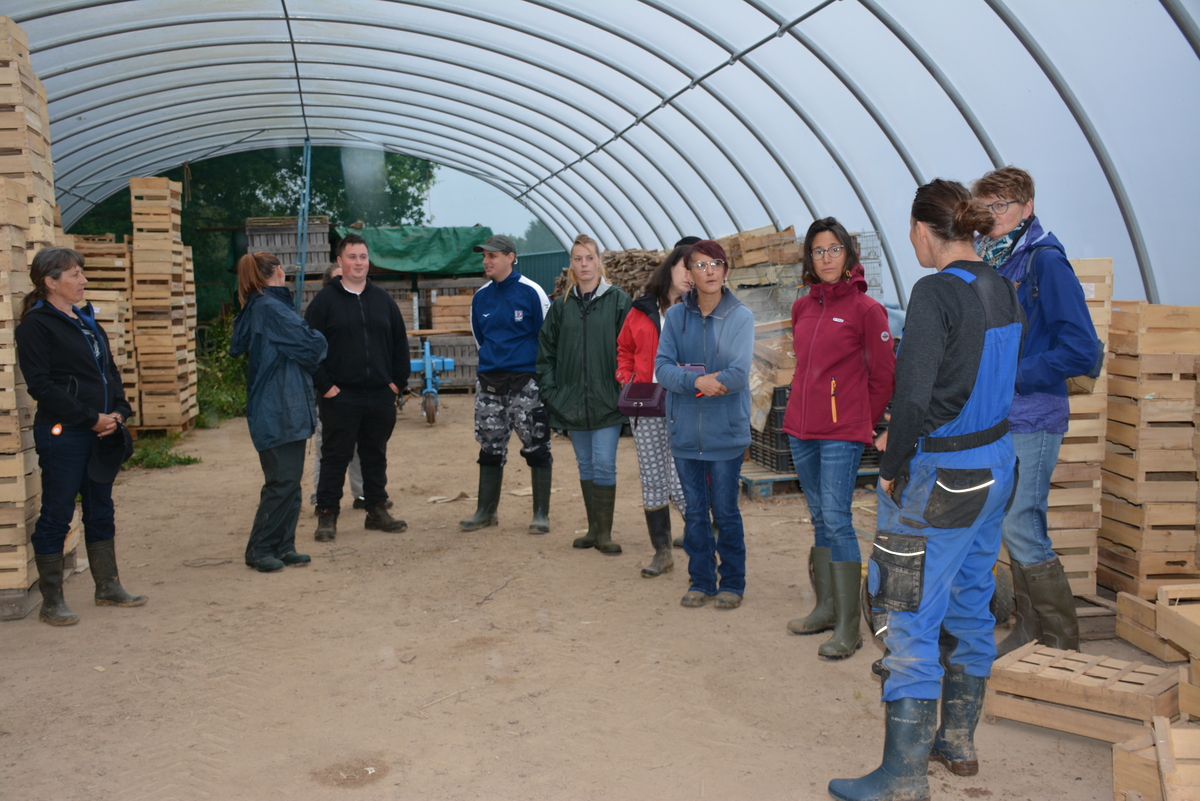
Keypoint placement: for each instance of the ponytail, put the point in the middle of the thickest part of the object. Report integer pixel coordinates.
(949, 211)
(254, 271)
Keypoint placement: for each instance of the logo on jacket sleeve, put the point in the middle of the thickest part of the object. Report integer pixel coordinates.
(885, 336)
(520, 314)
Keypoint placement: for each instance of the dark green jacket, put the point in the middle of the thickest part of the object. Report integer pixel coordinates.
(577, 359)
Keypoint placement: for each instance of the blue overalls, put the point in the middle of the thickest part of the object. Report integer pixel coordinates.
(933, 554)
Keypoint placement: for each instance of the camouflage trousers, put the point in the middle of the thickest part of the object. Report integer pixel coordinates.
(520, 410)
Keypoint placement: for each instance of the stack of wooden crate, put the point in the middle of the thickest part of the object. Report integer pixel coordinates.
(164, 342)
(1148, 531)
(761, 246)
(449, 311)
(110, 281)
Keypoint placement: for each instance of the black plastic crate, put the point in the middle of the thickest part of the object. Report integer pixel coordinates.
(771, 438)
(780, 399)
(772, 459)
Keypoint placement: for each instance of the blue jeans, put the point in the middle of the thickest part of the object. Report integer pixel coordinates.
(713, 487)
(64, 459)
(827, 470)
(596, 453)
(1024, 527)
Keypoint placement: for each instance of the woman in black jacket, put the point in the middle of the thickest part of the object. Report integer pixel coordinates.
(69, 370)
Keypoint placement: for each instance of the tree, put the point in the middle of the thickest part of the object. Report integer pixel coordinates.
(536, 239)
(384, 189)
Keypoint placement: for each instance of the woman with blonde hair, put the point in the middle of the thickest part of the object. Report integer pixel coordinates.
(280, 405)
(576, 373)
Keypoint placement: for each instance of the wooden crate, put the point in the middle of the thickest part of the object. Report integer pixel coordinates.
(1179, 615)
(1139, 327)
(1177, 751)
(1137, 624)
(1150, 526)
(1135, 769)
(1092, 696)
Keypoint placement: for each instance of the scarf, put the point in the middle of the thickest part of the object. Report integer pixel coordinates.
(996, 251)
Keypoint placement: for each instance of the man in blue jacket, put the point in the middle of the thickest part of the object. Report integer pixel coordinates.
(1060, 342)
(506, 316)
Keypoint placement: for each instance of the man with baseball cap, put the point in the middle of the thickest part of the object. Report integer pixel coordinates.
(506, 316)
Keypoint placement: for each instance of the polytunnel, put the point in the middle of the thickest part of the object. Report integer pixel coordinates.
(641, 121)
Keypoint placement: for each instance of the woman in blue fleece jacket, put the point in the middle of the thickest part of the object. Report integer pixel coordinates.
(1060, 342)
(703, 362)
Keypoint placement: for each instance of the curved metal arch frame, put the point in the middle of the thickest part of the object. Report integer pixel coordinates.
(1092, 135)
(560, 73)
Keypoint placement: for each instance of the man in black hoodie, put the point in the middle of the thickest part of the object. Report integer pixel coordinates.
(366, 368)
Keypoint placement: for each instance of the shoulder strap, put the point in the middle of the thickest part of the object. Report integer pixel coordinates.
(961, 273)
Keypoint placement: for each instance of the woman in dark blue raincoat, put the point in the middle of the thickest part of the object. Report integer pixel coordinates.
(945, 480)
(280, 409)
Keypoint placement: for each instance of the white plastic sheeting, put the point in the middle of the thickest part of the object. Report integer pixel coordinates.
(640, 121)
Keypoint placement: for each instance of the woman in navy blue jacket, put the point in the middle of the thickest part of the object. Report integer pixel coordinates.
(703, 362)
(69, 369)
(280, 410)
(1060, 342)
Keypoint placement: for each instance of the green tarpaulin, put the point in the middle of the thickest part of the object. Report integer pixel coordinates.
(414, 249)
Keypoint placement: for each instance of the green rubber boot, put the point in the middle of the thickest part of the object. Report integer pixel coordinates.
(587, 540)
(490, 478)
(102, 558)
(50, 581)
(847, 605)
(604, 499)
(821, 618)
(962, 704)
(908, 736)
(658, 521)
(541, 500)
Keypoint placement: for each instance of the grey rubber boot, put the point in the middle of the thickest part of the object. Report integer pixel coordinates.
(962, 704)
(821, 618)
(102, 557)
(1053, 603)
(908, 736)
(490, 479)
(50, 581)
(847, 604)
(541, 499)
(587, 540)
(1026, 626)
(658, 521)
(604, 499)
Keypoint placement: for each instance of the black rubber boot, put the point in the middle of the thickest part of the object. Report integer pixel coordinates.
(1053, 603)
(908, 736)
(380, 519)
(658, 521)
(821, 618)
(1026, 626)
(962, 704)
(847, 604)
(102, 557)
(541, 500)
(587, 540)
(604, 499)
(50, 581)
(326, 525)
(490, 478)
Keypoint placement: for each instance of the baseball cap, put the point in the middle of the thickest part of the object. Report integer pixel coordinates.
(497, 242)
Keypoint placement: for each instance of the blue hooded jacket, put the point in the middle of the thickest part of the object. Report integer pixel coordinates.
(284, 352)
(712, 429)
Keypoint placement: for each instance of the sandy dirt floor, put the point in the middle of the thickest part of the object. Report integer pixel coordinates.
(444, 665)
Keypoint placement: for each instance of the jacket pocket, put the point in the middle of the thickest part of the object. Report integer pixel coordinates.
(957, 497)
(897, 582)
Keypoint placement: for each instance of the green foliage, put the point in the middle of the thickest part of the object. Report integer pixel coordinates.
(153, 451)
(221, 379)
(537, 239)
(220, 193)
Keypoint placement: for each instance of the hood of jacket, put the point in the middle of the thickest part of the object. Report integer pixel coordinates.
(647, 304)
(727, 303)
(826, 293)
(240, 341)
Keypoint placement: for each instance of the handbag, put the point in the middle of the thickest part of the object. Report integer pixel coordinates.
(1076, 384)
(642, 399)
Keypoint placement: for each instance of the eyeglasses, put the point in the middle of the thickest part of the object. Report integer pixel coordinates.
(820, 253)
(708, 267)
(1000, 206)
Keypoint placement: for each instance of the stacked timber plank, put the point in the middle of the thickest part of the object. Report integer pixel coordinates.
(450, 310)
(1148, 530)
(107, 266)
(163, 339)
(762, 246)
(628, 269)
(1090, 695)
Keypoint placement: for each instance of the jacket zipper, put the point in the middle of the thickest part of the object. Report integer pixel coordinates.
(587, 409)
(366, 336)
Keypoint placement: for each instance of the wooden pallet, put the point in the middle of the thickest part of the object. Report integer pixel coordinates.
(759, 482)
(1089, 695)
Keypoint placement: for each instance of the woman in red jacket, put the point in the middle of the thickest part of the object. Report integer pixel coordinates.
(637, 345)
(844, 379)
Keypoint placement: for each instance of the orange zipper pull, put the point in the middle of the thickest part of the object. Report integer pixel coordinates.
(833, 397)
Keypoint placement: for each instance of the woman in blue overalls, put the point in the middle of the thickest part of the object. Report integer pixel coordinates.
(946, 478)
